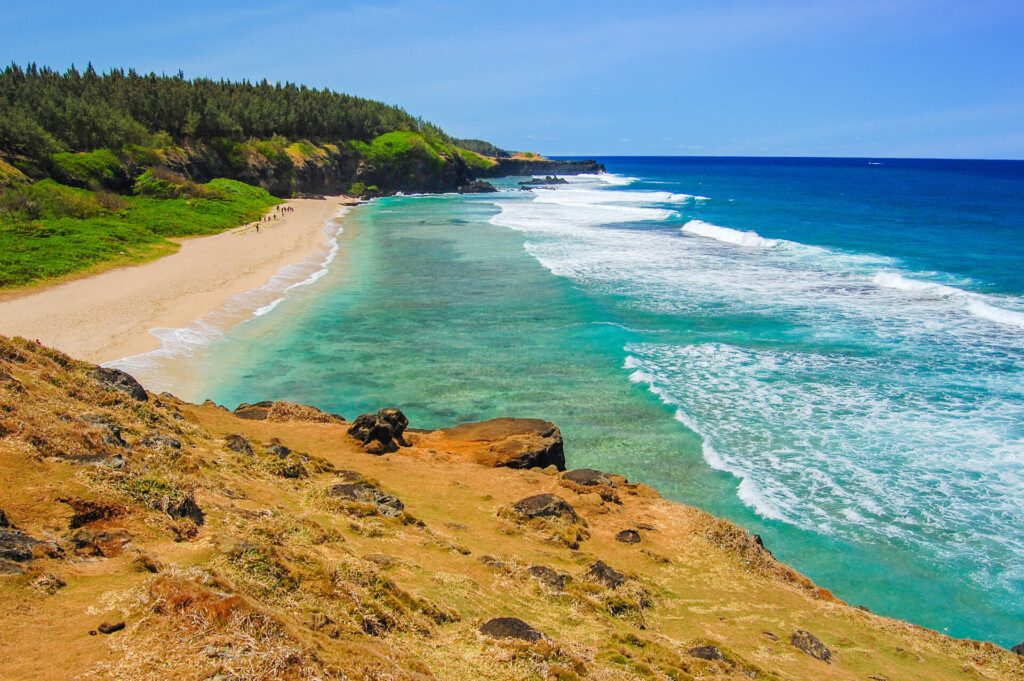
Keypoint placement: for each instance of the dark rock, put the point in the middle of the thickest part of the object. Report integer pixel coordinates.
(809, 643)
(88, 510)
(115, 379)
(237, 443)
(603, 573)
(381, 432)
(254, 412)
(158, 441)
(477, 187)
(543, 181)
(628, 537)
(111, 431)
(1019, 649)
(110, 627)
(398, 422)
(587, 477)
(361, 492)
(187, 508)
(4, 522)
(706, 653)
(550, 578)
(16, 547)
(545, 506)
(275, 448)
(349, 476)
(510, 627)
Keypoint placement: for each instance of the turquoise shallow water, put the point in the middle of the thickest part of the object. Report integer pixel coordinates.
(845, 379)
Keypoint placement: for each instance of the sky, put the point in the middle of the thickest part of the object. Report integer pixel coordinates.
(904, 78)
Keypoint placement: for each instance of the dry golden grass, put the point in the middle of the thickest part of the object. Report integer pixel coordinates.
(278, 579)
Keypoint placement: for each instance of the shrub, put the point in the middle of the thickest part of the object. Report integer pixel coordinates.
(87, 168)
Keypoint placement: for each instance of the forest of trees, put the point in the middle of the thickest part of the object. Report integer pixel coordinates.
(44, 111)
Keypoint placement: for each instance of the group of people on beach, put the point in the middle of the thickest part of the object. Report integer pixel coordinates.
(273, 215)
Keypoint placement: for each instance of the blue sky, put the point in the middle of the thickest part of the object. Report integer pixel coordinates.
(937, 78)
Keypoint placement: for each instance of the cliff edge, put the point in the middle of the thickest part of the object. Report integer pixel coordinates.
(144, 537)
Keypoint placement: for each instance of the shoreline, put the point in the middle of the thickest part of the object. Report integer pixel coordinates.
(113, 314)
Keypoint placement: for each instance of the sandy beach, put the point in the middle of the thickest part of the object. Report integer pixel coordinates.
(108, 316)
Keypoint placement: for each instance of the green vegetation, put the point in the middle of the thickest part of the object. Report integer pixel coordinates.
(103, 168)
(50, 230)
(87, 168)
(481, 147)
(475, 161)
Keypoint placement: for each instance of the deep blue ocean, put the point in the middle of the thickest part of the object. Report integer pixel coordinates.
(829, 352)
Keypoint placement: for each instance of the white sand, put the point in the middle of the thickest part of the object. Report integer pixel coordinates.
(108, 316)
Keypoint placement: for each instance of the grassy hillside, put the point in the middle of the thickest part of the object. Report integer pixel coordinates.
(147, 538)
(50, 230)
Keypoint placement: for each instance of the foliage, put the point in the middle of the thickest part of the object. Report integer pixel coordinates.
(86, 168)
(164, 184)
(481, 147)
(44, 111)
(50, 230)
(475, 161)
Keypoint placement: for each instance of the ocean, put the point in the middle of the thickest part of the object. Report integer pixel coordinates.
(829, 352)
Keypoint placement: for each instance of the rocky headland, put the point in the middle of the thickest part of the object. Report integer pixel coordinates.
(143, 537)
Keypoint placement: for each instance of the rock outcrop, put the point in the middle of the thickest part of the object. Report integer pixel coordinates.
(382, 432)
(810, 644)
(507, 442)
(283, 412)
(115, 379)
(510, 627)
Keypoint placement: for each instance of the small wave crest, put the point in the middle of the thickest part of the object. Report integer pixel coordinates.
(747, 239)
(973, 303)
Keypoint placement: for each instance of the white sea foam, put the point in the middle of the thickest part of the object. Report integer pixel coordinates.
(176, 343)
(846, 445)
(748, 239)
(974, 303)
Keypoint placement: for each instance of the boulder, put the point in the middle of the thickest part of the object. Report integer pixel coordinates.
(587, 477)
(1018, 649)
(628, 537)
(115, 379)
(810, 644)
(545, 506)
(603, 573)
(110, 627)
(159, 441)
(706, 653)
(363, 492)
(4, 521)
(549, 577)
(543, 181)
(510, 627)
(477, 187)
(17, 548)
(237, 443)
(186, 508)
(275, 448)
(507, 442)
(381, 432)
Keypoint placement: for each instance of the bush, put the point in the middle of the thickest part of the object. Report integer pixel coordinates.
(87, 168)
(161, 183)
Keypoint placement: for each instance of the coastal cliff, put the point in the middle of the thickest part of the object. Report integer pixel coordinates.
(151, 538)
(510, 167)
